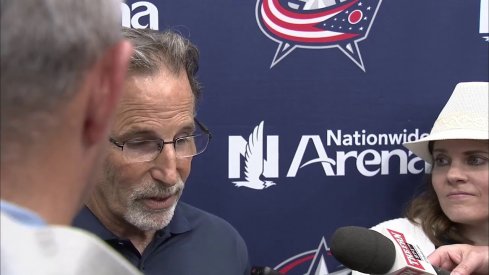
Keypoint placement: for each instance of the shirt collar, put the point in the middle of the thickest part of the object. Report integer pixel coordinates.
(88, 221)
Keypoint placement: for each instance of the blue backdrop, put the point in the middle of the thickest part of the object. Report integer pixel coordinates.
(328, 92)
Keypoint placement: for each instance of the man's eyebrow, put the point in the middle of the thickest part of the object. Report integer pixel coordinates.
(138, 132)
(189, 127)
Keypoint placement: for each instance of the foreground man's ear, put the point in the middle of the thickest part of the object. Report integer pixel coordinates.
(107, 76)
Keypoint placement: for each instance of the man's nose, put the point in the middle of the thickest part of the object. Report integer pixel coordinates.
(165, 166)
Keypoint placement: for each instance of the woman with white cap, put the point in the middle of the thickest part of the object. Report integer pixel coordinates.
(454, 207)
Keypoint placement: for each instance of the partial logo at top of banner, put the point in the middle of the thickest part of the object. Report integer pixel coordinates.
(317, 24)
(140, 15)
(484, 20)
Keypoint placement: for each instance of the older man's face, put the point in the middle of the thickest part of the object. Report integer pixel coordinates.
(144, 194)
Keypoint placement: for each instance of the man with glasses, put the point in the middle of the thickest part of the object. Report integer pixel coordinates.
(135, 206)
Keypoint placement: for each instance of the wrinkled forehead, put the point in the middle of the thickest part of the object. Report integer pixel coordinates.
(162, 103)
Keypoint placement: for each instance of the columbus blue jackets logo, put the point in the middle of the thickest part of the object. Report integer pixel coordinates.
(314, 262)
(317, 24)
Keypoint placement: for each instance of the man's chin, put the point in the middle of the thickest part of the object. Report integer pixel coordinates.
(151, 220)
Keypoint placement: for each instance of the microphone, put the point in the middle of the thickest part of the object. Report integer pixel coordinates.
(264, 270)
(371, 252)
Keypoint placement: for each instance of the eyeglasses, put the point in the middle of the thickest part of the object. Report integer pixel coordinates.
(142, 150)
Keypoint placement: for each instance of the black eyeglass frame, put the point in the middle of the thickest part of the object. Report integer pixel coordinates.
(204, 129)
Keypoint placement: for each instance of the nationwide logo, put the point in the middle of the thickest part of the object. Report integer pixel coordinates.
(254, 162)
(369, 154)
(314, 262)
(317, 24)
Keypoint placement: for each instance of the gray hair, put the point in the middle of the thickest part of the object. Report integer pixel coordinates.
(154, 50)
(46, 48)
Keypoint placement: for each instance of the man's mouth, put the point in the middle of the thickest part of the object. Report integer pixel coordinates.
(159, 203)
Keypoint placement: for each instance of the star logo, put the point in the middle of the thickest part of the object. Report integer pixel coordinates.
(314, 262)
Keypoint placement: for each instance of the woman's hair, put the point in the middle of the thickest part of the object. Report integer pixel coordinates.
(425, 210)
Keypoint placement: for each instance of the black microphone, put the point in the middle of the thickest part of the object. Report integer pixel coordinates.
(264, 270)
(371, 252)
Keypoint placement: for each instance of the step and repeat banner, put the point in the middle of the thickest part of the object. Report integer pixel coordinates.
(309, 102)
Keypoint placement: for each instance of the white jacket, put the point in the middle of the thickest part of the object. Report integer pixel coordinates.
(56, 250)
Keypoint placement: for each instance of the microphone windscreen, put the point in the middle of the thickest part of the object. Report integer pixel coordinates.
(363, 250)
(264, 270)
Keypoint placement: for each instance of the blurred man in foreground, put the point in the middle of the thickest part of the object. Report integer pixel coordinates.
(135, 206)
(62, 66)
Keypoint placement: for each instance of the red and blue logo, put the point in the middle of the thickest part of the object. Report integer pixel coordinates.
(317, 24)
(314, 262)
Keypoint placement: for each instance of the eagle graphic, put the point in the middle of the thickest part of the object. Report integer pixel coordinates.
(254, 162)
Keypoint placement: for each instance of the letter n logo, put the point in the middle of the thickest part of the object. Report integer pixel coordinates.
(257, 168)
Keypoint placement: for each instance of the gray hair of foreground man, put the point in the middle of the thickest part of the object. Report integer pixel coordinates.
(168, 49)
(46, 47)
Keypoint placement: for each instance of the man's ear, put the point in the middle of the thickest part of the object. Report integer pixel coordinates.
(108, 76)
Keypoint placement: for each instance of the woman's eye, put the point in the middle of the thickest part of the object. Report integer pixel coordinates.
(476, 160)
(440, 160)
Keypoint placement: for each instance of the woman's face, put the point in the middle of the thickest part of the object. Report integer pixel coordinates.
(461, 179)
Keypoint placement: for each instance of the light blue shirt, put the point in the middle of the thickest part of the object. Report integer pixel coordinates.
(21, 214)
